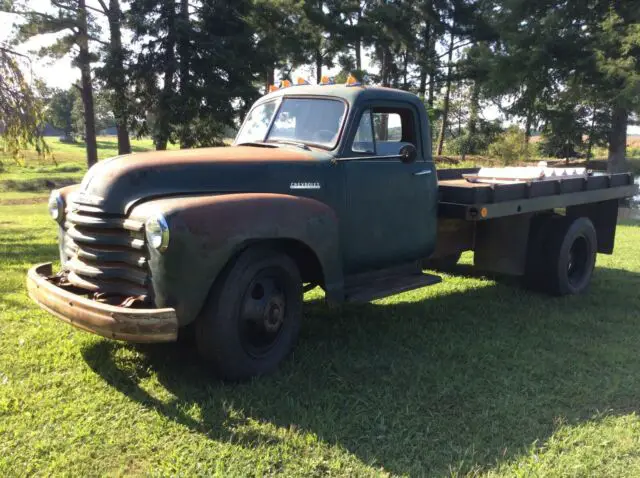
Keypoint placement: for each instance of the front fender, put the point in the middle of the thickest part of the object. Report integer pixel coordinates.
(207, 231)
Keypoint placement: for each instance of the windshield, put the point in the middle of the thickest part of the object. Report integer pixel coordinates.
(315, 121)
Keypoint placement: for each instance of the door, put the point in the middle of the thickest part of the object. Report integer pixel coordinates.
(391, 206)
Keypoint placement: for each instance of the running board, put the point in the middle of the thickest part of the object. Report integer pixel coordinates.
(379, 287)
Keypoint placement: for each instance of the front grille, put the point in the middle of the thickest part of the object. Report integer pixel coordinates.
(105, 254)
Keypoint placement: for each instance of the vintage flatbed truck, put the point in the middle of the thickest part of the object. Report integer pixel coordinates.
(330, 186)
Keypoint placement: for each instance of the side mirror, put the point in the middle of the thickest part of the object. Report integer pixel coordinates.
(408, 153)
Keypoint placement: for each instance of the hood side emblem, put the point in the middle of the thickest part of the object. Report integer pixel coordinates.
(305, 185)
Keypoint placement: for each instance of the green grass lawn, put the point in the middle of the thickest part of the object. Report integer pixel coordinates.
(469, 377)
(66, 165)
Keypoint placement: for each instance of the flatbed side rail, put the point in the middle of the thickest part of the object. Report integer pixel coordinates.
(460, 202)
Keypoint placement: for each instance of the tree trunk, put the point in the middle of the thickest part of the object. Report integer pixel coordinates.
(591, 133)
(385, 66)
(474, 109)
(167, 95)
(425, 61)
(184, 64)
(358, 43)
(318, 60)
(527, 133)
(117, 79)
(617, 162)
(432, 69)
(405, 71)
(84, 61)
(270, 79)
(447, 93)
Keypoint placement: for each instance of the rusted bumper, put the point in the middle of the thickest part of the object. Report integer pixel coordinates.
(121, 323)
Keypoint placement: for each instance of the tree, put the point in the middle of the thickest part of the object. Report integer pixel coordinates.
(21, 109)
(445, 108)
(197, 70)
(59, 112)
(75, 28)
(114, 74)
(104, 117)
(617, 51)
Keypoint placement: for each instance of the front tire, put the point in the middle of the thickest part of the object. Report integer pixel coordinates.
(252, 319)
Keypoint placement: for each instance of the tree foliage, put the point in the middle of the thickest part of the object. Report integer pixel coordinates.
(74, 27)
(21, 108)
(192, 68)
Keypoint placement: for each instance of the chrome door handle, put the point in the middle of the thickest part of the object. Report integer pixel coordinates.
(423, 172)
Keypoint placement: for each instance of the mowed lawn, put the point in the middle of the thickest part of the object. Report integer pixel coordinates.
(470, 377)
(467, 377)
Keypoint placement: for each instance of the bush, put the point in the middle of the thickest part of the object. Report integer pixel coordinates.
(466, 143)
(509, 147)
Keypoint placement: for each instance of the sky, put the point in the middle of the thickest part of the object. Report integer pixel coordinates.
(61, 74)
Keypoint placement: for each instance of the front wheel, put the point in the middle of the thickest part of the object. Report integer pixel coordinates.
(252, 319)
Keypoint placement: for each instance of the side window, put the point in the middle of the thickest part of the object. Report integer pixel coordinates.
(383, 131)
(363, 140)
(387, 127)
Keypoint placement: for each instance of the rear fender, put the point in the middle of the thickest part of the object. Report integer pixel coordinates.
(206, 232)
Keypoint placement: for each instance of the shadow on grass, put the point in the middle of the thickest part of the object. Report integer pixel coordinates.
(454, 382)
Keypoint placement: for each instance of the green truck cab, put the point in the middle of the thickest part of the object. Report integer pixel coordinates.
(330, 186)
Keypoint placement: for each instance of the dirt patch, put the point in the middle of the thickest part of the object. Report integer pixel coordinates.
(23, 201)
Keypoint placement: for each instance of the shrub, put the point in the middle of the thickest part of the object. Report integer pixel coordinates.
(509, 147)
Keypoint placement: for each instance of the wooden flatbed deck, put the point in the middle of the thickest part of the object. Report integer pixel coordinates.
(461, 199)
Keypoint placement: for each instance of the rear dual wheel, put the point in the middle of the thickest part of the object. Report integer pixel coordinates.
(252, 319)
(562, 255)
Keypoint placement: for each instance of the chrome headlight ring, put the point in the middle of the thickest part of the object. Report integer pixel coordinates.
(157, 232)
(56, 206)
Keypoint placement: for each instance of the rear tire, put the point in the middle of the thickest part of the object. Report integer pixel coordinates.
(562, 255)
(252, 319)
(443, 263)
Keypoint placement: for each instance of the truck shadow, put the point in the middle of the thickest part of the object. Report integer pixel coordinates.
(451, 381)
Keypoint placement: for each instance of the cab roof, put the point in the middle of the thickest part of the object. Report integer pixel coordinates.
(351, 94)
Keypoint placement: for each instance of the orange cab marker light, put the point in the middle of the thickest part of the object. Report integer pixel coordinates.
(272, 88)
(352, 81)
(301, 81)
(483, 212)
(285, 84)
(325, 80)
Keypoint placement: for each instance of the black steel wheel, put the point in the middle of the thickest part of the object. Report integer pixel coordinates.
(562, 255)
(252, 319)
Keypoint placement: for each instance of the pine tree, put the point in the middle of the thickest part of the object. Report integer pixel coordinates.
(114, 74)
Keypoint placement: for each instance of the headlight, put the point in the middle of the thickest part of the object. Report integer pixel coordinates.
(157, 231)
(56, 206)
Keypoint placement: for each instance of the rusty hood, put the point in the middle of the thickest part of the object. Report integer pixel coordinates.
(115, 185)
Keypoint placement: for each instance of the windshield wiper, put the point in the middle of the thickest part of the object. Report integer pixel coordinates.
(257, 144)
(292, 143)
